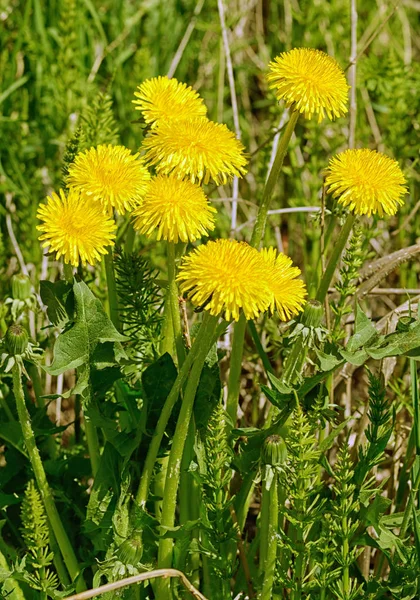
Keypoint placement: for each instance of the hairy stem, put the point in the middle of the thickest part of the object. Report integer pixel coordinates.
(269, 539)
(334, 259)
(260, 223)
(41, 479)
(256, 238)
(177, 450)
(92, 443)
(143, 490)
(174, 304)
(112, 290)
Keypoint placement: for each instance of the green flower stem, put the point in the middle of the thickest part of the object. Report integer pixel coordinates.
(41, 479)
(416, 411)
(268, 539)
(129, 240)
(334, 259)
(177, 449)
(33, 373)
(264, 527)
(235, 368)
(260, 223)
(112, 289)
(92, 443)
(311, 317)
(408, 513)
(174, 304)
(68, 272)
(167, 343)
(234, 380)
(295, 361)
(258, 345)
(59, 565)
(143, 490)
(344, 558)
(318, 269)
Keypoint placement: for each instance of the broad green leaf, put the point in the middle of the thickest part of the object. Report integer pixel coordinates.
(157, 381)
(76, 346)
(279, 385)
(309, 383)
(12, 434)
(10, 588)
(208, 394)
(327, 362)
(103, 498)
(329, 440)
(59, 300)
(396, 344)
(373, 513)
(357, 358)
(277, 398)
(364, 331)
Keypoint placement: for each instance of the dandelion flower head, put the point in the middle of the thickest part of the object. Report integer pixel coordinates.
(197, 149)
(161, 99)
(176, 209)
(287, 291)
(366, 181)
(225, 277)
(75, 228)
(311, 81)
(111, 175)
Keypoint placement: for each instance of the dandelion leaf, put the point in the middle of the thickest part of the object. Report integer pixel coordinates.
(92, 326)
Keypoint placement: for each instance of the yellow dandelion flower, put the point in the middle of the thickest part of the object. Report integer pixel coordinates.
(225, 277)
(110, 175)
(75, 228)
(311, 81)
(176, 208)
(161, 99)
(366, 181)
(288, 292)
(197, 149)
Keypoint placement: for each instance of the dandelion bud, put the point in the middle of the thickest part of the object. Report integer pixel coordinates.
(274, 451)
(16, 340)
(312, 313)
(21, 287)
(131, 550)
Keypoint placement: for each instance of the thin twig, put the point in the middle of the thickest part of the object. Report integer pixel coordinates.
(407, 220)
(116, 585)
(374, 34)
(284, 117)
(12, 236)
(281, 211)
(231, 79)
(378, 291)
(186, 38)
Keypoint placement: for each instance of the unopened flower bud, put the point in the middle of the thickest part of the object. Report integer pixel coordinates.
(274, 451)
(16, 340)
(21, 287)
(131, 550)
(312, 313)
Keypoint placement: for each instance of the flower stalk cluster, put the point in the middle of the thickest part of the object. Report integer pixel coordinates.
(159, 192)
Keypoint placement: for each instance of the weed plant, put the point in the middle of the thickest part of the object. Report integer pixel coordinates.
(184, 411)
